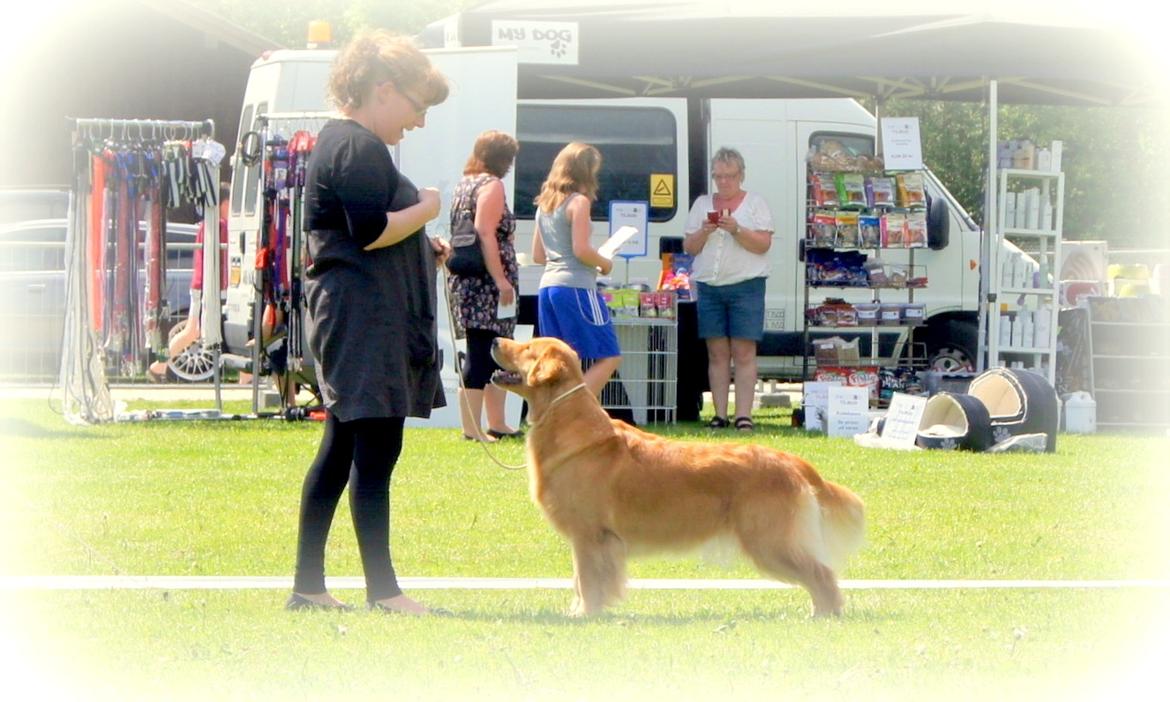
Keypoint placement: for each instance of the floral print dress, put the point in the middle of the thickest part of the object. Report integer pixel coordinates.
(475, 299)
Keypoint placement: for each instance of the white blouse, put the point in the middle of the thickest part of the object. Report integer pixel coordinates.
(723, 260)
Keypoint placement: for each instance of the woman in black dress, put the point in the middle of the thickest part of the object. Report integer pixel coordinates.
(371, 301)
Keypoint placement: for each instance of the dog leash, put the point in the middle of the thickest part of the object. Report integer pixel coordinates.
(459, 373)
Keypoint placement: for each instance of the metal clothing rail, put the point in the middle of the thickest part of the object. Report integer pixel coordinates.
(136, 127)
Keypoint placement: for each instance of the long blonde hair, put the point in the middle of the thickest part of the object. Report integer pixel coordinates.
(574, 170)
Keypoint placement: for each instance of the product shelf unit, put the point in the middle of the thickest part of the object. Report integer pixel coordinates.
(891, 344)
(1129, 352)
(1022, 332)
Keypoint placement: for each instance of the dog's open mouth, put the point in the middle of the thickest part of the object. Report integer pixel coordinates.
(506, 377)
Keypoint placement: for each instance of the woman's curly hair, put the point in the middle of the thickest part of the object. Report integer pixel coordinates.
(377, 56)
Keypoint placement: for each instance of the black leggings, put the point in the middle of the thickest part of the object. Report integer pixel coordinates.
(361, 452)
(479, 365)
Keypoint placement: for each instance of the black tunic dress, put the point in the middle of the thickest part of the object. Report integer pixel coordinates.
(372, 324)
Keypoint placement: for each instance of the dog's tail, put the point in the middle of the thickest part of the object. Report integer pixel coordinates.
(842, 523)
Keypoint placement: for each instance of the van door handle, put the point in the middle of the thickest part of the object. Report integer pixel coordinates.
(36, 288)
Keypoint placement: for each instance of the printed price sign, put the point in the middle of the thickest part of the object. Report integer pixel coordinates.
(630, 213)
(901, 143)
(815, 403)
(848, 411)
(903, 418)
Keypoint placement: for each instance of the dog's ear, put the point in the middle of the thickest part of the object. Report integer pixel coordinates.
(548, 366)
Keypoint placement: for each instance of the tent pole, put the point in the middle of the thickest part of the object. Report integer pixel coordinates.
(987, 300)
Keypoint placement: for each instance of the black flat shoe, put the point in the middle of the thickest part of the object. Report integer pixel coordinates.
(505, 434)
(296, 603)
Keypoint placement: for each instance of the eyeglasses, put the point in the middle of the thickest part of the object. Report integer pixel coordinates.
(419, 108)
(725, 176)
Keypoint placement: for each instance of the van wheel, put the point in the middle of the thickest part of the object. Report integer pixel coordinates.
(951, 346)
(195, 364)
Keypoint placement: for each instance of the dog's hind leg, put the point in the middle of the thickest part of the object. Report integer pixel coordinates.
(599, 572)
(784, 546)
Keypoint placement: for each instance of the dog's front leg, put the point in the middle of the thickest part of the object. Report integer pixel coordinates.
(599, 571)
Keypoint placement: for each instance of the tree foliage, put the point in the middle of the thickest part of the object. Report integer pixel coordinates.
(1114, 185)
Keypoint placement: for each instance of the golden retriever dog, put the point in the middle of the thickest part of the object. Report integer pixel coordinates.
(613, 490)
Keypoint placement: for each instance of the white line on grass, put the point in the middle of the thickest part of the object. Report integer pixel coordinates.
(219, 582)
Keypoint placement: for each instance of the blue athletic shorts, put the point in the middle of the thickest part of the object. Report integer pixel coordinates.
(580, 318)
(732, 311)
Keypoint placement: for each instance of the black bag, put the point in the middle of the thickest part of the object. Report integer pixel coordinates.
(466, 255)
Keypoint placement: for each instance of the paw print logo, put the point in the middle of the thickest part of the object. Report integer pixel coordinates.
(558, 48)
(1001, 433)
(948, 444)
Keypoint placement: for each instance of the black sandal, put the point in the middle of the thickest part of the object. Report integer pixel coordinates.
(718, 422)
(744, 424)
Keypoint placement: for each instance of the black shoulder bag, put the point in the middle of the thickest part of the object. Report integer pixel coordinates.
(466, 254)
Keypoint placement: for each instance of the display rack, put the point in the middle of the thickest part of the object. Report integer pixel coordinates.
(647, 381)
(1027, 295)
(870, 319)
(1129, 346)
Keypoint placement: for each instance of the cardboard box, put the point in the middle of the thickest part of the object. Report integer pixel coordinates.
(836, 351)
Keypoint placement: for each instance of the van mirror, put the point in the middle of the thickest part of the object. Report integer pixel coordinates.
(938, 224)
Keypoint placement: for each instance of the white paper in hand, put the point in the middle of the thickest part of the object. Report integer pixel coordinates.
(615, 241)
(506, 311)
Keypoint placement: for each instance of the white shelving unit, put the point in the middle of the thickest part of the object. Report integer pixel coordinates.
(1037, 294)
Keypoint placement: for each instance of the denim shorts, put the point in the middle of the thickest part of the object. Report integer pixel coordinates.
(580, 318)
(732, 311)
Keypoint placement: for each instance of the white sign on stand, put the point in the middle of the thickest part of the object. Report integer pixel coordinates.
(901, 144)
(848, 410)
(903, 419)
(630, 213)
(815, 403)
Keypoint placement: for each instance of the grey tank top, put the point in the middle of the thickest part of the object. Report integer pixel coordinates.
(562, 268)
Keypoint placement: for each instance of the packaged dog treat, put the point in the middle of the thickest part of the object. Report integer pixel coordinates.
(824, 189)
(647, 304)
(911, 189)
(915, 229)
(883, 191)
(848, 236)
(869, 228)
(824, 229)
(664, 301)
(850, 190)
(893, 230)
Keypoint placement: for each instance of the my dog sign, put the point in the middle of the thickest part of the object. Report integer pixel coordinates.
(539, 42)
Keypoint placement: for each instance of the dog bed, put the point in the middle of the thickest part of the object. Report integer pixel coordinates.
(954, 421)
(1018, 402)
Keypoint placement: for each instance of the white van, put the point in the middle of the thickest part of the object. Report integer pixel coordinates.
(654, 150)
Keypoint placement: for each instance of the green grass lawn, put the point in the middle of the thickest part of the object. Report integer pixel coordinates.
(220, 498)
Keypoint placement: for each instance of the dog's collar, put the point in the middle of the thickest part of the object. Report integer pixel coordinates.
(557, 399)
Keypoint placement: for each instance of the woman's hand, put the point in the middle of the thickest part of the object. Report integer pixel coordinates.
(442, 250)
(606, 266)
(728, 224)
(507, 292)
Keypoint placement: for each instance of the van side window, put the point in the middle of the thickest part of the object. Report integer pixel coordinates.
(854, 144)
(635, 143)
(238, 183)
(254, 173)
